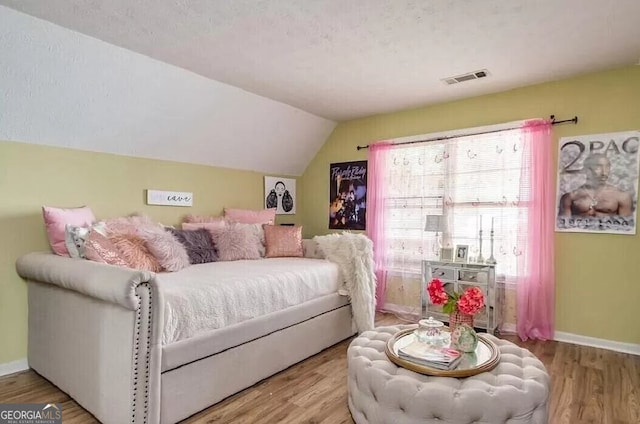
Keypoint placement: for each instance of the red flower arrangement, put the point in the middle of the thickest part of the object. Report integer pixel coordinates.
(469, 302)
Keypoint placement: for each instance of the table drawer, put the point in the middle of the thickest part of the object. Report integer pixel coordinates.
(443, 273)
(471, 276)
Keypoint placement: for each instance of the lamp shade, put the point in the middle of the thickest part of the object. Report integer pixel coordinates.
(434, 223)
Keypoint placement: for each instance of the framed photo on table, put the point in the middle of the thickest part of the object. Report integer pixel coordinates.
(446, 254)
(461, 253)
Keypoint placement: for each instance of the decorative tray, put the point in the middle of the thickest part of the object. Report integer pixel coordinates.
(485, 358)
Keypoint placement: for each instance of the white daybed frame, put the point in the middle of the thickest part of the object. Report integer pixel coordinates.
(94, 333)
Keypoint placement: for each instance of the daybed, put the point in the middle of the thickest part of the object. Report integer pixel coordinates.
(134, 346)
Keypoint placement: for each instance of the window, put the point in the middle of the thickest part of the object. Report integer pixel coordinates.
(473, 182)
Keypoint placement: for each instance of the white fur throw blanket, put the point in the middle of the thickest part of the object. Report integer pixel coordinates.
(353, 253)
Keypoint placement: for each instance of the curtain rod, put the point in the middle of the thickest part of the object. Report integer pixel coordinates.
(447, 137)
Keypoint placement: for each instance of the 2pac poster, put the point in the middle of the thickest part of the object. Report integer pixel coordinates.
(598, 183)
(348, 195)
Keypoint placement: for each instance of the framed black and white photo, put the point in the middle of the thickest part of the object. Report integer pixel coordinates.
(461, 253)
(280, 193)
(348, 195)
(598, 183)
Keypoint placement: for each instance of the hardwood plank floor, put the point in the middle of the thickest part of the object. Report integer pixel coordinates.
(588, 385)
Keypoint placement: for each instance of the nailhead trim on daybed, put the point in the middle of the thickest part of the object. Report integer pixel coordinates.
(136, 356)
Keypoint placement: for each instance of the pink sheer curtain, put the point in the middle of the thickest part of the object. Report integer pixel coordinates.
(536, 274)
(376, 214)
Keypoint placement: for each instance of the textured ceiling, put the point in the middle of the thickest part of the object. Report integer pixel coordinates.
(343, 59)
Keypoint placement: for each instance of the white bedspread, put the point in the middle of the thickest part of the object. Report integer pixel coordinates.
(204, 297)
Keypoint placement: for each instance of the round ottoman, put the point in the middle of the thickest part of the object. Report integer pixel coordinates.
(516, 391)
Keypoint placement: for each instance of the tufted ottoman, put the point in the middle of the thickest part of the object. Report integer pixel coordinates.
(516, 391)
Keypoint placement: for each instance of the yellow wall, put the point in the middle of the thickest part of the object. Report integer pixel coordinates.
(32, 176)
(597, 275)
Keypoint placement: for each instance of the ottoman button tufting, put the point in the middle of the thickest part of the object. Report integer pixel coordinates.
(379, 398)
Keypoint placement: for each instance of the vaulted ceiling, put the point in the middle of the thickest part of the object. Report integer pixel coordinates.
(277, 74)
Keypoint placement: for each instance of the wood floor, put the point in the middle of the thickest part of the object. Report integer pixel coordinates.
(588, 385)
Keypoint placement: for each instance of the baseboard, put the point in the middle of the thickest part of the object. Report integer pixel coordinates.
(14, 366)
(632, 348)
(508, 328)
(561, 336)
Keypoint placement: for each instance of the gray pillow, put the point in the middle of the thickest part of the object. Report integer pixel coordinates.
(198, 244)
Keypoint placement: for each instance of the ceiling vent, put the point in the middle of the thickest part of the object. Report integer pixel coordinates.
(466, 77)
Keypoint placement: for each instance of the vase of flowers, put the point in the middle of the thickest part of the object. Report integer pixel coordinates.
(461, 307)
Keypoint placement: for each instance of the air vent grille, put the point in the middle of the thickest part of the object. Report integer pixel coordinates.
(466, 77)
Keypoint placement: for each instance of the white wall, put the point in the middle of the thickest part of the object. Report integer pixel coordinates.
(63, 88)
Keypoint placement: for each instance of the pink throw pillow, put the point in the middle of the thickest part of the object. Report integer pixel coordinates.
(246, 216)
(201, 219)
(131, 225)
(170, 253)
(285, 241)
(209, 226)
(135, 252)
(98, 248)
(235, 242)
(56, 220)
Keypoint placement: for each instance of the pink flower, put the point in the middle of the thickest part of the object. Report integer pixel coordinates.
(471, 301)
(436, 292)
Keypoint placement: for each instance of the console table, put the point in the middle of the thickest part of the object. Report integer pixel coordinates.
(458, 277)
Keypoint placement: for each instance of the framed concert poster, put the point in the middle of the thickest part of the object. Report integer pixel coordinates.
(348, 195)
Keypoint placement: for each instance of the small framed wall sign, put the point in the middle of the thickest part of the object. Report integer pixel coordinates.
(169, 198)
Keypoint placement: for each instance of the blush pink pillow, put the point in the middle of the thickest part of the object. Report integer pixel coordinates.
(235, 242)
(247, 216)
(170, 253)
(209, 226)
(131, 225)
(98, 248)
(56, 219)
(283, 241)
(201, 219)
